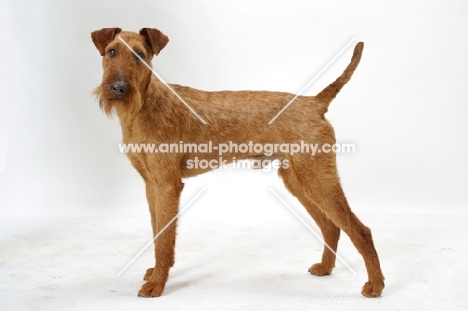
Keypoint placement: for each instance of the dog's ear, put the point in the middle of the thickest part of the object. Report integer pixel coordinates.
(155, 39)
(103, 37)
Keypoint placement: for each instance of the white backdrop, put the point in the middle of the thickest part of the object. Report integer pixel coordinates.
(405, 108)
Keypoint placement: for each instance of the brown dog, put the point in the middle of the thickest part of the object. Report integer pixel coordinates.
(150, 113)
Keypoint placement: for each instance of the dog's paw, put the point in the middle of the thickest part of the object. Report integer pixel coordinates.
(319, 270)
(372, 289)
(148, 274)
(151, 289)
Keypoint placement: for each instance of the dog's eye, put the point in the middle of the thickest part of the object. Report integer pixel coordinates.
(139, 54)
(112, 53)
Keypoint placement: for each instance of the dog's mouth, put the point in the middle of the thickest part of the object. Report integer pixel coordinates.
(114, 98)
(116, 91)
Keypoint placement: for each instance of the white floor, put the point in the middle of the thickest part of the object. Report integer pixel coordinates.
(72, 264)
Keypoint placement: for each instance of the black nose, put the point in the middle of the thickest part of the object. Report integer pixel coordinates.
(119, 88)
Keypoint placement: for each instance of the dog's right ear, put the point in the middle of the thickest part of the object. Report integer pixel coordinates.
(103, 37)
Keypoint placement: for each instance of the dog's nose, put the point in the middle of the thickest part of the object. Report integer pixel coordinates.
(119, 88)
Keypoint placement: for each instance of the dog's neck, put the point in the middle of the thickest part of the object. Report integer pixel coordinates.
(155, 108)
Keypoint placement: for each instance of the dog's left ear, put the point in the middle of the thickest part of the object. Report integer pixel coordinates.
(155, 39)
(103, 37)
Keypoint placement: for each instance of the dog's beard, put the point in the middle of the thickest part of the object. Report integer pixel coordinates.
(110, 105)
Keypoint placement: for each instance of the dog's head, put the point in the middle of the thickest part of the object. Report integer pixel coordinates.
(126, 59)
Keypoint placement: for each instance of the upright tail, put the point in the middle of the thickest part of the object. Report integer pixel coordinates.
(329, 93)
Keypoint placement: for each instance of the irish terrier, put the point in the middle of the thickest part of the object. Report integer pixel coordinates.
(150, 113)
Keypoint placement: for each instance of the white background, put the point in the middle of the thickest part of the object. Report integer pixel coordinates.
(405, 108)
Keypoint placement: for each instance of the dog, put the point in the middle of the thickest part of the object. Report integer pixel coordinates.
(153, 112)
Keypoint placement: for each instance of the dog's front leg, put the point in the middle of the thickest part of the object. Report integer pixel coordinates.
(163, 201)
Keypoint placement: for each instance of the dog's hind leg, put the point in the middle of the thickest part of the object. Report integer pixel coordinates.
(317, 179)
(330, 232)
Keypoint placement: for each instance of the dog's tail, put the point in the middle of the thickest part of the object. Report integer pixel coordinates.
(329, 93)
